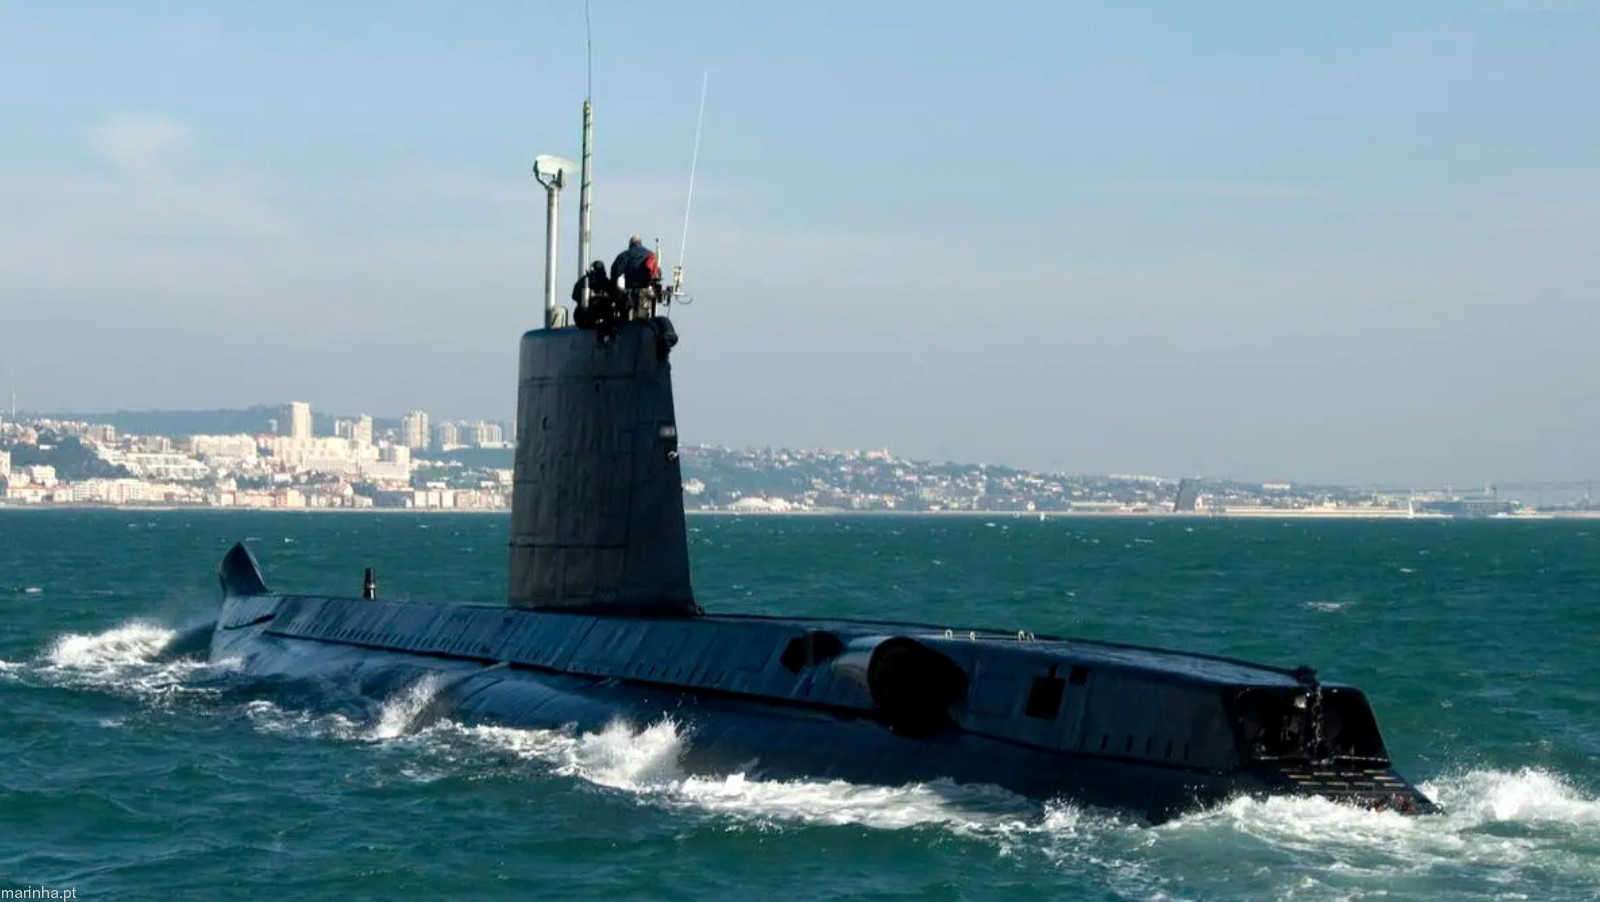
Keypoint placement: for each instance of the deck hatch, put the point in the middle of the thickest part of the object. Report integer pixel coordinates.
(1044, 697)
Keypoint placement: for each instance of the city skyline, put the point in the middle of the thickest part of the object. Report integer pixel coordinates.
(431, 436)
(76, 463)
(1351, 244)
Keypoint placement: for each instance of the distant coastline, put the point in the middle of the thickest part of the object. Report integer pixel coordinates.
(452, 466)
(1264, 514)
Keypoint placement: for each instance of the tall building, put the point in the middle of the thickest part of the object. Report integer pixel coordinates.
(363, 430)
(484, 433)
(343, 428)
(5, 464)
(414, 429)
(446, 436)
(298, 416)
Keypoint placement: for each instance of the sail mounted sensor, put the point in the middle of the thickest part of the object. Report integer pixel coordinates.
(551, 172)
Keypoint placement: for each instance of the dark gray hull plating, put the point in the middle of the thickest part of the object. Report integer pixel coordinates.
(878, 703)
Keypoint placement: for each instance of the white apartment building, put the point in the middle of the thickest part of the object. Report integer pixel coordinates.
(414, 430)
(173, 467)
(298, 413)
(222, 448)
(446, 435)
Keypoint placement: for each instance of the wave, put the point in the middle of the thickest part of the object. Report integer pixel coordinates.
(1506, 827)
(408, 709)
(134, 658)
(1529, 795)
(647, 762)
(130, 644)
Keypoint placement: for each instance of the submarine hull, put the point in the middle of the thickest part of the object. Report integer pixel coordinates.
(602, 625)
(871, 703)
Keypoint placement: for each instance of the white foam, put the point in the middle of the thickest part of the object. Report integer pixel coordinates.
(1504, 824)
(125, 658)
(131, 643)
(404, 711)
(964, 809)
(617, 756)
(1527, 796)
(270, 718)
(647, 762)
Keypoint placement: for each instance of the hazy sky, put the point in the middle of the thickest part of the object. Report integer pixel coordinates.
(1340, 241)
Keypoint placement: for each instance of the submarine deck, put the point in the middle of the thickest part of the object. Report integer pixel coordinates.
(498, 633)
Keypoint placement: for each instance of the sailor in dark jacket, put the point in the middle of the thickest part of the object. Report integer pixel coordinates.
(602, 304)
(636, 267)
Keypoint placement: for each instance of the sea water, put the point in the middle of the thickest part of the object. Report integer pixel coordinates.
(126, 773)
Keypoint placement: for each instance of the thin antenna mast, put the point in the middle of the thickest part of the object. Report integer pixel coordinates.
(586, 162)
(688, 204)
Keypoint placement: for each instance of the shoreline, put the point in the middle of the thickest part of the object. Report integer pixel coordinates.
(1259, 514)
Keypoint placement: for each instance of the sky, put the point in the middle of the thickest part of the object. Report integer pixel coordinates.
(1350, 242)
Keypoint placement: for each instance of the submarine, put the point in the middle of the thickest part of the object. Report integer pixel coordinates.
(602, 624)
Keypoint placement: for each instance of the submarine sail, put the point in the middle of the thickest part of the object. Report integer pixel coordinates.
(597, 502)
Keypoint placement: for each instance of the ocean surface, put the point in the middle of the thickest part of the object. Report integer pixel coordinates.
(127, 775)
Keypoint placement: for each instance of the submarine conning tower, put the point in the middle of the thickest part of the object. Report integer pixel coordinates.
(597, 520)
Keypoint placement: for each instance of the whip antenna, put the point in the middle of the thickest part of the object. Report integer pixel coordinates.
(586, 164)
(688, 204)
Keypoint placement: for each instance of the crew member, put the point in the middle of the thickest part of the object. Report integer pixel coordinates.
(636, 267)
(603, 303)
